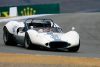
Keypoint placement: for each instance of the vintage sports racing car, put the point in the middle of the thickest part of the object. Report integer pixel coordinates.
(41, 32)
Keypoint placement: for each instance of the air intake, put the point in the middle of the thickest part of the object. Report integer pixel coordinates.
(58, 44)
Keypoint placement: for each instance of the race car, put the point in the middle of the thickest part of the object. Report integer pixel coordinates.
(41, 32)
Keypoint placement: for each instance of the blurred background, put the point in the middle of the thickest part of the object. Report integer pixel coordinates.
(65, 5)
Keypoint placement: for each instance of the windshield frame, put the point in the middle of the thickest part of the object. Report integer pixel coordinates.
(53, 25)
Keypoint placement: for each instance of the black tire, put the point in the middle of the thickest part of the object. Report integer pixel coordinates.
(74, 49)
(27, 42)
(8, 38)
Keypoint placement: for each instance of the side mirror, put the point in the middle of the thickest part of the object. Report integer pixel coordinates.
(73, 28)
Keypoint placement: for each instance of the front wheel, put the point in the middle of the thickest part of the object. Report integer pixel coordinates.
(27, 42)
(74, 49)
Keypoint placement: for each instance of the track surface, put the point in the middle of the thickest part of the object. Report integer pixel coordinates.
(88, 26)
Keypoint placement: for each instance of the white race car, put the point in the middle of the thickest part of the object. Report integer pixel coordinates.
(41, 32)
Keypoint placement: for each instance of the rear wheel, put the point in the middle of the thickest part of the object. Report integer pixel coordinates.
(8, 38)
(27, 42)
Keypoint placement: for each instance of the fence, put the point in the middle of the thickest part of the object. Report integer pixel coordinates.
(29, 10)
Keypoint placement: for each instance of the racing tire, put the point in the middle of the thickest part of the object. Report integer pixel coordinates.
(75, 48)
(27, 42)
(8, 38)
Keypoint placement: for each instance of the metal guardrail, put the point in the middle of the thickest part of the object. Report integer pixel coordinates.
(22, 17)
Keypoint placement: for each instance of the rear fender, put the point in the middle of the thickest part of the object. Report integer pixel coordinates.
(12, 26)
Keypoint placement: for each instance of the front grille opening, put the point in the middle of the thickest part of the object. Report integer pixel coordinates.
(58, 44)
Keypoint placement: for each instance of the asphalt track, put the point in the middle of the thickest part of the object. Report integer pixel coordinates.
(88, 26)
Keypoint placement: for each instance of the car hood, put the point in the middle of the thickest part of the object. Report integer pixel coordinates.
(50, 36)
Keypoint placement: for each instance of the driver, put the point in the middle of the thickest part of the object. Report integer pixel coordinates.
(48, 29)
(40, 30)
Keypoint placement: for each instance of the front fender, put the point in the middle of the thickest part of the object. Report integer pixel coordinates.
(36, 38)
(71, 37)
(33, 35)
